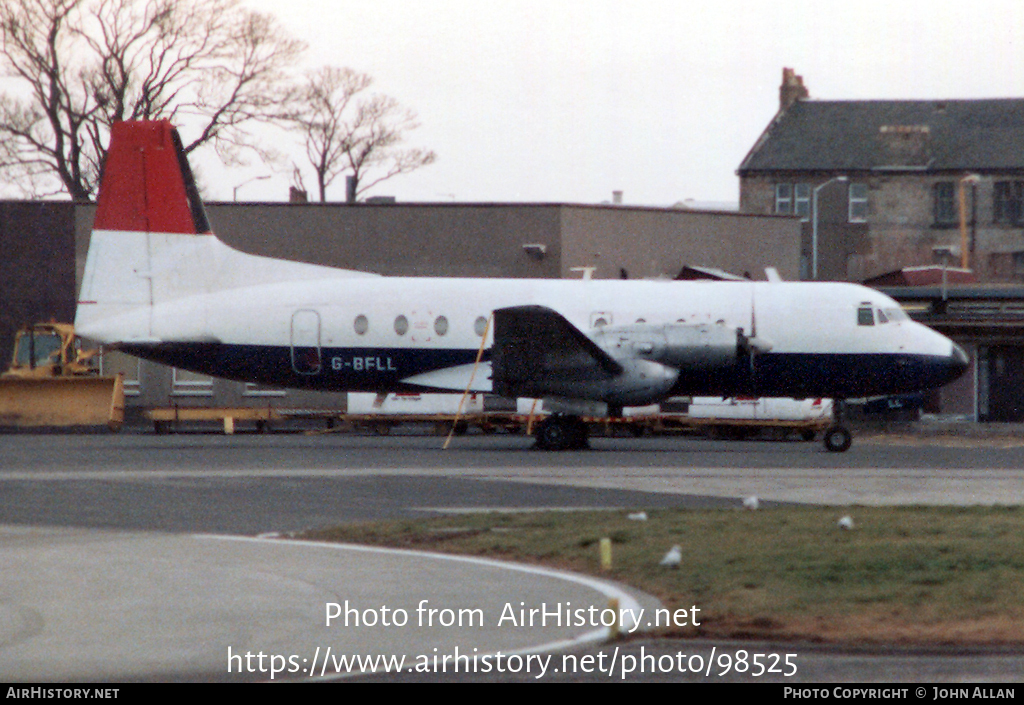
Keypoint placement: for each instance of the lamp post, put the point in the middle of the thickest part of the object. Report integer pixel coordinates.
(971, 179)
(234, 192)
(814, 224)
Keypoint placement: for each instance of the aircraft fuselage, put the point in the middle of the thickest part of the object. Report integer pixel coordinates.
(391, 333)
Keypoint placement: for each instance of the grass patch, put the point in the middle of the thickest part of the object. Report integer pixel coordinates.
(914, 575)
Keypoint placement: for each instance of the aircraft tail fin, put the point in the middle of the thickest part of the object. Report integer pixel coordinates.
(152, 248)
(147, 184)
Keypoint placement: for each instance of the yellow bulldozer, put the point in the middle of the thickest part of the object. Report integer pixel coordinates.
(52, 382)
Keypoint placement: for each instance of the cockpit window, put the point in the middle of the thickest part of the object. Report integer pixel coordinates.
(865, 316)
(882, 317)
(896, 314)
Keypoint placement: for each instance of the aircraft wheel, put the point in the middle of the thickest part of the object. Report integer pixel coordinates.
(561, 433)
(837, 439)
(580, 432)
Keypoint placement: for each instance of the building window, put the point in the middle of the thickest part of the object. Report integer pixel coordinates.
(784, 199)
(191, 384)
(858, 203)
(802, 200)
(945, 203)
(254, 389)
(112, 363)
(793, 199)
(1018, 265)
(1007, 198)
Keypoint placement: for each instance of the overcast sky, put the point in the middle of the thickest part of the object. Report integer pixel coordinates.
(568, 100)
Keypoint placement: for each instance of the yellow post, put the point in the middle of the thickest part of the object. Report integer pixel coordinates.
(606, 554)
(963, 224)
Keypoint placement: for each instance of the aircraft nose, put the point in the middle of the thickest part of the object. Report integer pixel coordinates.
(957, 363)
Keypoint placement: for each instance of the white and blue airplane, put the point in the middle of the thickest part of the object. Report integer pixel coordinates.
(160, 285)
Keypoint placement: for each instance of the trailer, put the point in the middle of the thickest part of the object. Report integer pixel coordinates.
(441, 414)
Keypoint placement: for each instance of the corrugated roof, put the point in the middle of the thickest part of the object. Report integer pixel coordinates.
(936, 135)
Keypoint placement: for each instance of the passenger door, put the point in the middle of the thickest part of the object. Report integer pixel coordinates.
(306, 342)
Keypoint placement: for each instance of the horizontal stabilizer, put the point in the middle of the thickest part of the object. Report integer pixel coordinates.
(535, 345)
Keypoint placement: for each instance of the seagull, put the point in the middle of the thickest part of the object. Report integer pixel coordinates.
(751, 502)
(846, 522)
(674, 557)
(637, 516)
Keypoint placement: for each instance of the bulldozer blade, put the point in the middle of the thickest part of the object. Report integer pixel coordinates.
(62, 402)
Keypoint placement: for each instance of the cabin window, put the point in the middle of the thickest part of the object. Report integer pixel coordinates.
(361, 324)
(865, 316)
(401, 325)
(480, 326)
(44, 346)
(441, 325)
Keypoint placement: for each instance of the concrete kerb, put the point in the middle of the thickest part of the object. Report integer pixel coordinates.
(627, 599)
(110, 605)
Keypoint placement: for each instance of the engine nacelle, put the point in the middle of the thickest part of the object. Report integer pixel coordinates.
(641, 382)
(682, 346)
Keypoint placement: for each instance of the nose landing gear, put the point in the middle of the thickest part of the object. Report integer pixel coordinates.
(837, 438)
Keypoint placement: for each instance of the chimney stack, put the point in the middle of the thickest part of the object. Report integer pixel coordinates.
(792, 89)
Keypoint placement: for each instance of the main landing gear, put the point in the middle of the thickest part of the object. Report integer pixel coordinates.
(837, 438)
(561, 432)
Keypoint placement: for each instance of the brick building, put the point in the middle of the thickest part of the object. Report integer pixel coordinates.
(898, 182)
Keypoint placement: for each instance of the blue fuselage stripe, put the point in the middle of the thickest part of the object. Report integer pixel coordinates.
(382, 369)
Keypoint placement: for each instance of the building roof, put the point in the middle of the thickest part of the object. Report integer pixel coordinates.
(928, 275)
(892, 135)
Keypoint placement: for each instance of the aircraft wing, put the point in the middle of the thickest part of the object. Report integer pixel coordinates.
(535, 346)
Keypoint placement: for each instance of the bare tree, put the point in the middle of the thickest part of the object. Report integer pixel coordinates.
(349, 133)
(82, 65)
